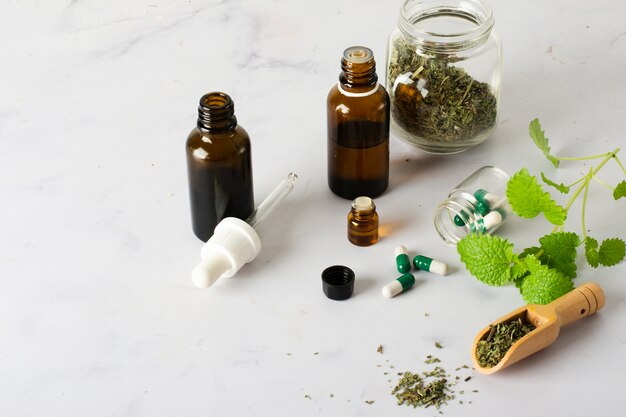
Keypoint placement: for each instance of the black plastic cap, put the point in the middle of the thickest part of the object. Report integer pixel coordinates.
(338, 282)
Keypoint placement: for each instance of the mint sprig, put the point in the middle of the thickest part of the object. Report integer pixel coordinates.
(541, 141)
(545, 272)
(543, 284)
(562, 188)
(591, 252)
(611, 252)
(527, 199)
(559, 252)
(488, 258)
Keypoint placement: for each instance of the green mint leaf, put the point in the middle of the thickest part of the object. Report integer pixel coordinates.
(620, 190)
(559, 252)
(488, 258)
(519, 279)
(591, 252)
(543, 284)
(611, 251)
(519, 269)
(527, 199)
(524, 194)
(533, 250)
(555, 214)
(562, 188)
(541, 141)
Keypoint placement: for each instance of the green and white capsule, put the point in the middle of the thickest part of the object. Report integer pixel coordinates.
(485, 201)
(461, 219)
(427, 264)
(398, 285)
(490, 222)
(403, 263)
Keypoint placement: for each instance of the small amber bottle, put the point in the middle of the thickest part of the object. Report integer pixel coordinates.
(219, 166)
(363, 222)
(358, 128)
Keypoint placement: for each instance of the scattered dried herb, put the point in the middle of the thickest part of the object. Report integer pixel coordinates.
(438, 345)
(435, 100)
(370, 402)
(499, 340)
(379, 349)
(430, 388)
(416, 391)
(430, 359)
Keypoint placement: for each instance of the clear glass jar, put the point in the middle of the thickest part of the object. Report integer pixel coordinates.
(444, 65)
(477, 205)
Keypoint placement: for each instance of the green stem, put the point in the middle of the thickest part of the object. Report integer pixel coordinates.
(466, 91)
(619, 163)
(579, 181)
(603, 183)
(589, 176)
(584, 158)
(592, 171)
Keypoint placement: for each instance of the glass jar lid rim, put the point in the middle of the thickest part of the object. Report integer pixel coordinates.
(414, 11)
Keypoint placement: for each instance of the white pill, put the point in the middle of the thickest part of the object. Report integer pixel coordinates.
(492, 219)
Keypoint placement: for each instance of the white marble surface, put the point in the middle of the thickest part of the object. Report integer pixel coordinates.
(98, 316)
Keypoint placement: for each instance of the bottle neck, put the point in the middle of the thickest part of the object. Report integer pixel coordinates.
(358, 70)
(363, 215)
(216, 113)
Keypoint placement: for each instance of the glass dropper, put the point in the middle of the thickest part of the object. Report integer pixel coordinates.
(274, 199)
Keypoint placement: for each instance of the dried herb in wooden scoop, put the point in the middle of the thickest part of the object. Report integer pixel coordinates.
(532, 328)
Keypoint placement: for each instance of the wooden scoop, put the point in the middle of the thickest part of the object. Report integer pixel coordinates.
(548, 320)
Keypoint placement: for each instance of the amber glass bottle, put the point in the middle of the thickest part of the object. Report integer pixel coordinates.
(358, 128)
(219, 166)
(363, 222)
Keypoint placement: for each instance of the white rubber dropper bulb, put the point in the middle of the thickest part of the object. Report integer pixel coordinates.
(235, 242)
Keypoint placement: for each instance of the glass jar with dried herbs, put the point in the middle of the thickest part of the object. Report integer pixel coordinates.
(443, 74)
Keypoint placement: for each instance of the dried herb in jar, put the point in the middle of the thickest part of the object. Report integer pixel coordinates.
(435, 100)
(499, 340)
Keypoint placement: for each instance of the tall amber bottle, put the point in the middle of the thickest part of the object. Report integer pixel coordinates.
(219, 166)
(358, 128)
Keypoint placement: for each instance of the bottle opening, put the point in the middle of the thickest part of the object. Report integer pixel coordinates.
(363, 203)
(216, 100)
(449, 25)
(358, 54)
(446, 23)
(216, 112)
